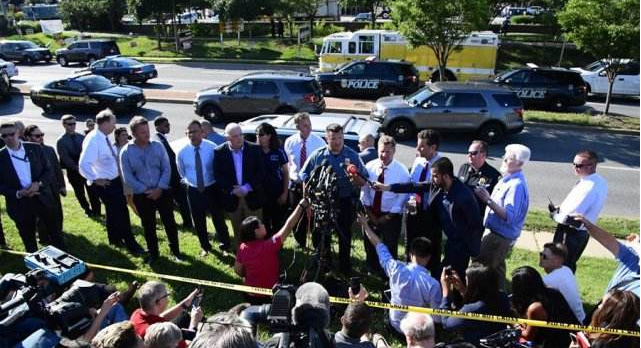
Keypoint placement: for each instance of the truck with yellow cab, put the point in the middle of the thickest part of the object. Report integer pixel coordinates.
(476, 58)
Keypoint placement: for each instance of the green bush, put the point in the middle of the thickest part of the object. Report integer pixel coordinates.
(202, 29)
(24, 25)
(18, 16)
(322, 29)
(523, 19)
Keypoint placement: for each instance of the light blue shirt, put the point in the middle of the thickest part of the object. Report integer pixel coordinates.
(339, 163)
(216, 138)
(145, 168)
(186, 163)
(411, 285)
(511, 193)
(626, 276)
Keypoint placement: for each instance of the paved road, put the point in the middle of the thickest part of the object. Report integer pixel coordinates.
(549, 174)
(197, 76)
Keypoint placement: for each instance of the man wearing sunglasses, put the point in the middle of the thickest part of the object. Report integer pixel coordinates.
(69, 146)
(57, 182)
(587, 198)
(24, 181)
(477, 172)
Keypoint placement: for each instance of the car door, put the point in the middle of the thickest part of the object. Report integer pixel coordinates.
(112, 68)
(352, 80)
(237, 99)
(77, 95)
(434, 112)
(627, 81)
(99, 68)
(80, 51)
(10, 51)
(467, 110)
(265, 97)
(379, 78)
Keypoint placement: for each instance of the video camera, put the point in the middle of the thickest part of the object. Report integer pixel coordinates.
(278, 317)
(508, 338)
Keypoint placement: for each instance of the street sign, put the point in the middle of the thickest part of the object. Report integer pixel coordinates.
(185, 39)
(304, 33)
(231, 27)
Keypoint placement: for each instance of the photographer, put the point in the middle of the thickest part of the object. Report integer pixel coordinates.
(225, 330)
(257, 257)
(154, 297)
(338, 155)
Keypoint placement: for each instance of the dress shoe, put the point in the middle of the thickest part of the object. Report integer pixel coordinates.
(204, 253)
(177, 257)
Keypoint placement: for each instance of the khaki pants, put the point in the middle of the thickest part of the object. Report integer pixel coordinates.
(494, 250)
(241, 212)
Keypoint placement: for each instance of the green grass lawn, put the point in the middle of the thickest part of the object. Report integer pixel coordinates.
(87, 239)
(538, 220)
(620, 122)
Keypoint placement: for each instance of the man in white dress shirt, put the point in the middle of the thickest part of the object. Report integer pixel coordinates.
(587, 198)
(299, 147)
(384, 209)
(100, 166)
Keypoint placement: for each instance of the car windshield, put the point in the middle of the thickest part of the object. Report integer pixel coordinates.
(26, 45)
(129, 62)
(502, 76)
(95, 83)
(419, 96)
(594, 66)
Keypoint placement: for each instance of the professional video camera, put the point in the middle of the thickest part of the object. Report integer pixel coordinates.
(278, 317)
(508, 338)
(322, 192)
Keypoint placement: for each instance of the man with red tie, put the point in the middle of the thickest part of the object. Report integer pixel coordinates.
(421, 220)
(299, 147)
(384, 209)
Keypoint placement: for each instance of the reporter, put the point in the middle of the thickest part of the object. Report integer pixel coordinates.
(163, 335)
(257, 257)
(120, 335)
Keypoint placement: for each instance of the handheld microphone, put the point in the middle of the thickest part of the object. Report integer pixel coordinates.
(352, 169)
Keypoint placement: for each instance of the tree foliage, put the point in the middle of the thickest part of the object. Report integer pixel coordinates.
(370, 5)
(607, 29)
(93, 14)
(439, 24)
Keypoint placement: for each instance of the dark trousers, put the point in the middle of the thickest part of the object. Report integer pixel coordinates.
(389, 231)
(343, 229)
(31, 210)
(201, 203)
(457, 255)
(79, 185)
(274, 216)
(3, 241)
(117, 214)
(94, 200)
(56, 212)
(179, 195)
(575, 240)
(147, 209)
(300, 233)
(424, 224)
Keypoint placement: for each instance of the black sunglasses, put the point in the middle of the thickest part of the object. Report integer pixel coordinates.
(579, 165)
(6, 135)
(261, 134)
(38, 135)
(543, 256)
(472, 153)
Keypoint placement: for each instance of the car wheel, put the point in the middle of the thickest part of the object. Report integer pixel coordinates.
(558, 104)
(385, 15)
(401, 130)
(28, 60)
(491, 132)
(285, 110)
(62, 60)
(212, 113)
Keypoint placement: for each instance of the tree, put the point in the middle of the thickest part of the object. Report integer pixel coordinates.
(93, 14)
(309, 8)
(607, 29)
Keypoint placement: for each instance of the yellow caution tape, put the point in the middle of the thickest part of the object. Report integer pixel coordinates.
(431, 311)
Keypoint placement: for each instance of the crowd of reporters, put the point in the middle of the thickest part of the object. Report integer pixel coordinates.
(480, 210)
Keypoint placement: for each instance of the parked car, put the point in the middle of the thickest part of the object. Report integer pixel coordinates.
(123, 70)
(265, 92)
(490, 111)
(86, 51)
(87, 91)
(363, 17)
(9, 68)
(24, 51)
(550, 88)
(625, 83)
(370, 79)
(5, 85)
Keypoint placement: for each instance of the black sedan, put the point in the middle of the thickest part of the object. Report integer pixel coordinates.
(87, 91)
(123, 70)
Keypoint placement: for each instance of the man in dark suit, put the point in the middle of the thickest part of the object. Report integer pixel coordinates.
(161, 123)
(57, 182)
(238, 171)
(25, 183)
(366, 147)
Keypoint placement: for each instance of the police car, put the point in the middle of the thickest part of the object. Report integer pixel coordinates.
(370, 78)
(87, 91)
(550, 88)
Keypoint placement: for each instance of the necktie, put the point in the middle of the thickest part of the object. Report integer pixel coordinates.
(303, 153)
(421, 178)
(378, 196)
(200, 179)
(113, 153)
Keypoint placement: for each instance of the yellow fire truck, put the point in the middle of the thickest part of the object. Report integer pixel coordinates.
(475, 59)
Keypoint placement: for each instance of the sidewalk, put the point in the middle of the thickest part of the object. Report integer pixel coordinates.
(534, 241)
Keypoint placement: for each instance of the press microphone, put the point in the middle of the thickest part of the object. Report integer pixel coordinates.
(318, 169)
(353, 169)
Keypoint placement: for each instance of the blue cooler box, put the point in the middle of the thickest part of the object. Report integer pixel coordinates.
(59, 266)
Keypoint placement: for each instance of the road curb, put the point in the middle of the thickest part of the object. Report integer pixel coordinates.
(366, 112)
(224, 60)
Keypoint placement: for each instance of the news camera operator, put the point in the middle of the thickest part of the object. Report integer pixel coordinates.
(339, 157)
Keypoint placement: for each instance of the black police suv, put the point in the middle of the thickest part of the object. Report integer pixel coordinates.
(87, 91)
(370, 79)
(548, 88)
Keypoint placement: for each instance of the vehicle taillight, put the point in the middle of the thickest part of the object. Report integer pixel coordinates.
(583, 89)
(411, 78)
(311, 98)
(519, 112)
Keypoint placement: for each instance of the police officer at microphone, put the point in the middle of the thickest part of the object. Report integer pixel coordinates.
(339, 157)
